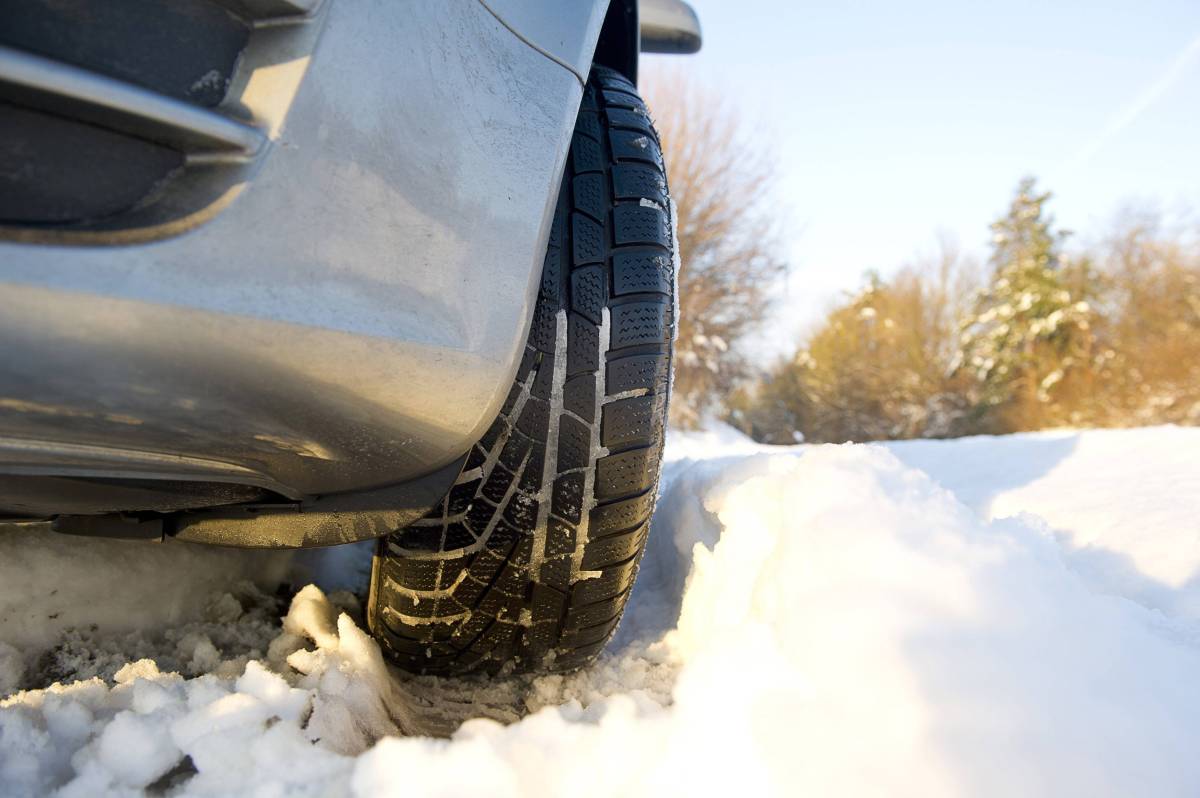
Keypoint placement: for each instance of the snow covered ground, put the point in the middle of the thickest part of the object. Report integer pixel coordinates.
(988, 616)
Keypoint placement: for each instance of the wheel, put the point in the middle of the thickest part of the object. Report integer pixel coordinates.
(530, 559)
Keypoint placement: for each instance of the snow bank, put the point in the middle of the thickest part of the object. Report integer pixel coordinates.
(827, 620)
(1124, 504)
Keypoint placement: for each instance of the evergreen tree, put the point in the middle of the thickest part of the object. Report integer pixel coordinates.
(1029, 336)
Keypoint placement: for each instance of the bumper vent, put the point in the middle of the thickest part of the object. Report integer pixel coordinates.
(184, 49)
(58, 171)
(114, 115)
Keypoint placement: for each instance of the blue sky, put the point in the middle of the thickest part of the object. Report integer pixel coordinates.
(896, 121)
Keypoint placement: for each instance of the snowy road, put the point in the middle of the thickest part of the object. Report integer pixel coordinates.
(989, 616)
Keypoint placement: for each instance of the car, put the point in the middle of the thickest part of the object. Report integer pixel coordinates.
(292, 273)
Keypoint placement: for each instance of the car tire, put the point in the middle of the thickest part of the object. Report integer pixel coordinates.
(527, 564)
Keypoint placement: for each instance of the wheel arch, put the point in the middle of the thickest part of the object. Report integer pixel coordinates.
(619, 42)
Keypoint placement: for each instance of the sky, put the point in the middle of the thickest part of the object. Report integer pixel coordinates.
(894, 123)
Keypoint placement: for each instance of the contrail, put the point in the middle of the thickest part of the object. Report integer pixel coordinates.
(1143, 101)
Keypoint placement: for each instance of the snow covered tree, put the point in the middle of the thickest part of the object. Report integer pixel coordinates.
(1028, 340)
(878, 368)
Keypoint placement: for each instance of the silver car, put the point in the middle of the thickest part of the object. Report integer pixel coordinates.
(285, 273)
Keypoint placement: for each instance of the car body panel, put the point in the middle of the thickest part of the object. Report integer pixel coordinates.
(565, 30)
(354, 317)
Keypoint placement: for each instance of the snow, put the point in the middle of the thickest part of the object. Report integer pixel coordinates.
(1122, 503)
(987, 616)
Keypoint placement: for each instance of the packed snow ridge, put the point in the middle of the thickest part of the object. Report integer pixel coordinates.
(988, 616)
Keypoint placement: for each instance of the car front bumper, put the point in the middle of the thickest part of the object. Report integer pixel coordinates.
(352, 319)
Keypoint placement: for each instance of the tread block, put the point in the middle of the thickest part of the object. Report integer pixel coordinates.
(608, 519)
(639, 323)
(560, 537)
(501, 542)
(589, 196)
(636, 373)
(535, 417)
(552, 265)
(631, 145)
(621, 98)
(479, 517)
(641, 272)
(614, 549)
(592, 614)
(498, 637)
(459, 499)
(543, 331)
(567, 498)
(421, 538)
(591, 634)
(579, 396)
(556, 572)
(543, 378)
(521, 511)
(496, 485)
(639, 181)
(641, 224)
(583, 345)
(631, 119)
(587, 240)
(611, 79)
(516, 450)
(574, 444)
(457, 537)
(530, 479)
(471, 591)
(412, 574)
(627, 422)
(577, 657)
(586, 155)
(621, 475)
(612, 580)
(587, 292)
(549, 605)
(587, 123)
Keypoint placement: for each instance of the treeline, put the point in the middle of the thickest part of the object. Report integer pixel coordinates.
(1050, 331)
(1044, 335)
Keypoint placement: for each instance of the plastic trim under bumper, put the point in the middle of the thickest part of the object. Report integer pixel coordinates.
(322, 521)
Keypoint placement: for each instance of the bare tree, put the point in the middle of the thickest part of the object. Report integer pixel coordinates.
(720, 176)
(1150, 361)
(878, 366)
